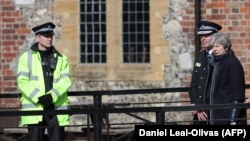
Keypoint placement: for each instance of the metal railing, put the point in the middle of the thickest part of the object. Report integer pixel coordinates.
(97, 110)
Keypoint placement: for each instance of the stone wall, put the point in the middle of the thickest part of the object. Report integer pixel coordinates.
(172, 50)
(175, 74)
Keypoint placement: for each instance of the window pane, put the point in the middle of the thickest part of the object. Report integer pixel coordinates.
(136, 31)
(93, 31)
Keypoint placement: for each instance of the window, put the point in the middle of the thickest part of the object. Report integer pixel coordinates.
(92, 31)
(136, 31)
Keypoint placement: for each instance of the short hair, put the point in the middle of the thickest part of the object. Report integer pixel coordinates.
(221, 38)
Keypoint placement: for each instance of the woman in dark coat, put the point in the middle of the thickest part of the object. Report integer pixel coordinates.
(226, 84)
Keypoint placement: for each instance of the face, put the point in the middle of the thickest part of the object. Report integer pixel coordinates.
(205, 40)
(44, 41)
(218, 49)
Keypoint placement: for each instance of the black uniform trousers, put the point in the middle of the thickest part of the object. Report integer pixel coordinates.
(36, 132)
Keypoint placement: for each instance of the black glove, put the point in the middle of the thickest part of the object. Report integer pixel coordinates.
(45, 100)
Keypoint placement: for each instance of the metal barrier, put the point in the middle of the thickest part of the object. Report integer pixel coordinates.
(97, 110)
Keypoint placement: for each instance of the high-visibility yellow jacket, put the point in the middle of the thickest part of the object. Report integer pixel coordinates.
(30, 82)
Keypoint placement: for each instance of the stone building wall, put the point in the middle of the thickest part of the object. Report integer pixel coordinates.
(172, 49)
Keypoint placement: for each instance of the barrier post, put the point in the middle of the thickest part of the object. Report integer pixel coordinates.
(97, 118)
(160, 118)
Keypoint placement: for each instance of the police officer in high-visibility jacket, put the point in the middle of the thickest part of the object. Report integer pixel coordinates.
(43, 78)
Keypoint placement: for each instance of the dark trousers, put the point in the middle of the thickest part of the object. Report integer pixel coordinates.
(36, 132)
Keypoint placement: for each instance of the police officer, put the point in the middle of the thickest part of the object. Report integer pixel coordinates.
(198, 85)
(43, 78)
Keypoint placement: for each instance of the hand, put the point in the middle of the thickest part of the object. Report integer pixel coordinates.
(247, 100)
(45, 100)
(232, 123)
(201, 115)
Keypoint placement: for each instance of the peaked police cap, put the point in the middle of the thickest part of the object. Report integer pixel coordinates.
(207, 27)
(46, 28)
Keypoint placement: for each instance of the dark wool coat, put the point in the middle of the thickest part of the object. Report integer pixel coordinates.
(225, 85)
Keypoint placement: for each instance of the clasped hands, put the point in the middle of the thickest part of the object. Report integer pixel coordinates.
(45, 100)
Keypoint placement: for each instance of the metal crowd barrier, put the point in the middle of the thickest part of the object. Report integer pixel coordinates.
(97, 110)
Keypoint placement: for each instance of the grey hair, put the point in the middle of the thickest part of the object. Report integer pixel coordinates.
(221, 38)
